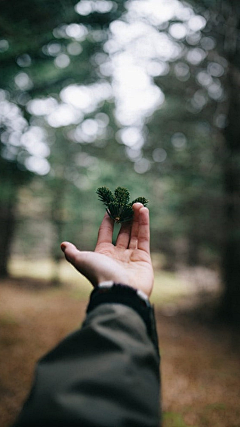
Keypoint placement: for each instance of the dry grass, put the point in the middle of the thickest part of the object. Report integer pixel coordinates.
(200, 369)
(200, 374)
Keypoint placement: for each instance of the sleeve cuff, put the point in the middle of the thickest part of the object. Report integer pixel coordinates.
(117, 293)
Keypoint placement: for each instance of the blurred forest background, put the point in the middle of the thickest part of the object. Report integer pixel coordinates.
(142, 94)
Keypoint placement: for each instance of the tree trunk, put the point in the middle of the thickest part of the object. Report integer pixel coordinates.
(58, 223)
(231, 255)
(7, 225)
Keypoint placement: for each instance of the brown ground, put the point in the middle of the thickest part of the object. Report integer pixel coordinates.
(200, 364)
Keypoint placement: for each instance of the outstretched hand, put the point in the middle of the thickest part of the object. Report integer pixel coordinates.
(128, 262)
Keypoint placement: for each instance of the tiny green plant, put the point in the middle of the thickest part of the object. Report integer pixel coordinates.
(117, 205)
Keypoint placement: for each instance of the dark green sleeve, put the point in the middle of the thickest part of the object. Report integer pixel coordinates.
(105, 374)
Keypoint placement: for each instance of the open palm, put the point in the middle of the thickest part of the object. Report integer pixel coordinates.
(128, 262)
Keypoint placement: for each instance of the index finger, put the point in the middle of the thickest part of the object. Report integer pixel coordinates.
(105, 232)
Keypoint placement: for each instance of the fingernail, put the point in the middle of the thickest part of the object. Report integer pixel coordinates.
(63, 247)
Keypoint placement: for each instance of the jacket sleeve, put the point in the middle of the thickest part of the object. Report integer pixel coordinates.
(105, 374)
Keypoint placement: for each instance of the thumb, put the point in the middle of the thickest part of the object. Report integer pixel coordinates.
(84, 262)
(70, 251)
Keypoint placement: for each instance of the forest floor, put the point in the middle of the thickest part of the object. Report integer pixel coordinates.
(200, 360)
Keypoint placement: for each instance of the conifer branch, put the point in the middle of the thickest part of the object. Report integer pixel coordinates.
(117, 204)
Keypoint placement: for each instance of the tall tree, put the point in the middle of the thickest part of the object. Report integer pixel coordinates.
(212, 97)
(42, 50)
(223, 24)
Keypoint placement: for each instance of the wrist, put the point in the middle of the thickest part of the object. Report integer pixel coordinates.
(118, 293)
(111, 284)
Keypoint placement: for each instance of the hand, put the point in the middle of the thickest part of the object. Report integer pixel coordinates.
(128, 262)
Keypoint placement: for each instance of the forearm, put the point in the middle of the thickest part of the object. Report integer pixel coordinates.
(105, 374)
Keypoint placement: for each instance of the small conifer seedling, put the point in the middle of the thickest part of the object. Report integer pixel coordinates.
(117, 205)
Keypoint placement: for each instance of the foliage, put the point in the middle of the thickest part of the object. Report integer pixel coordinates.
(223, 27)
(33, 48)
(118, 206)
(189, 148)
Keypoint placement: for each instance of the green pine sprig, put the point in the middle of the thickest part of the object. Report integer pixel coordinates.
(117, 205)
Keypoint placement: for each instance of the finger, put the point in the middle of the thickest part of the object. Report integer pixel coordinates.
(135, 225)
(124, 235)
(70, 252)
(82, 261)
(105, 232)
(143, 230)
